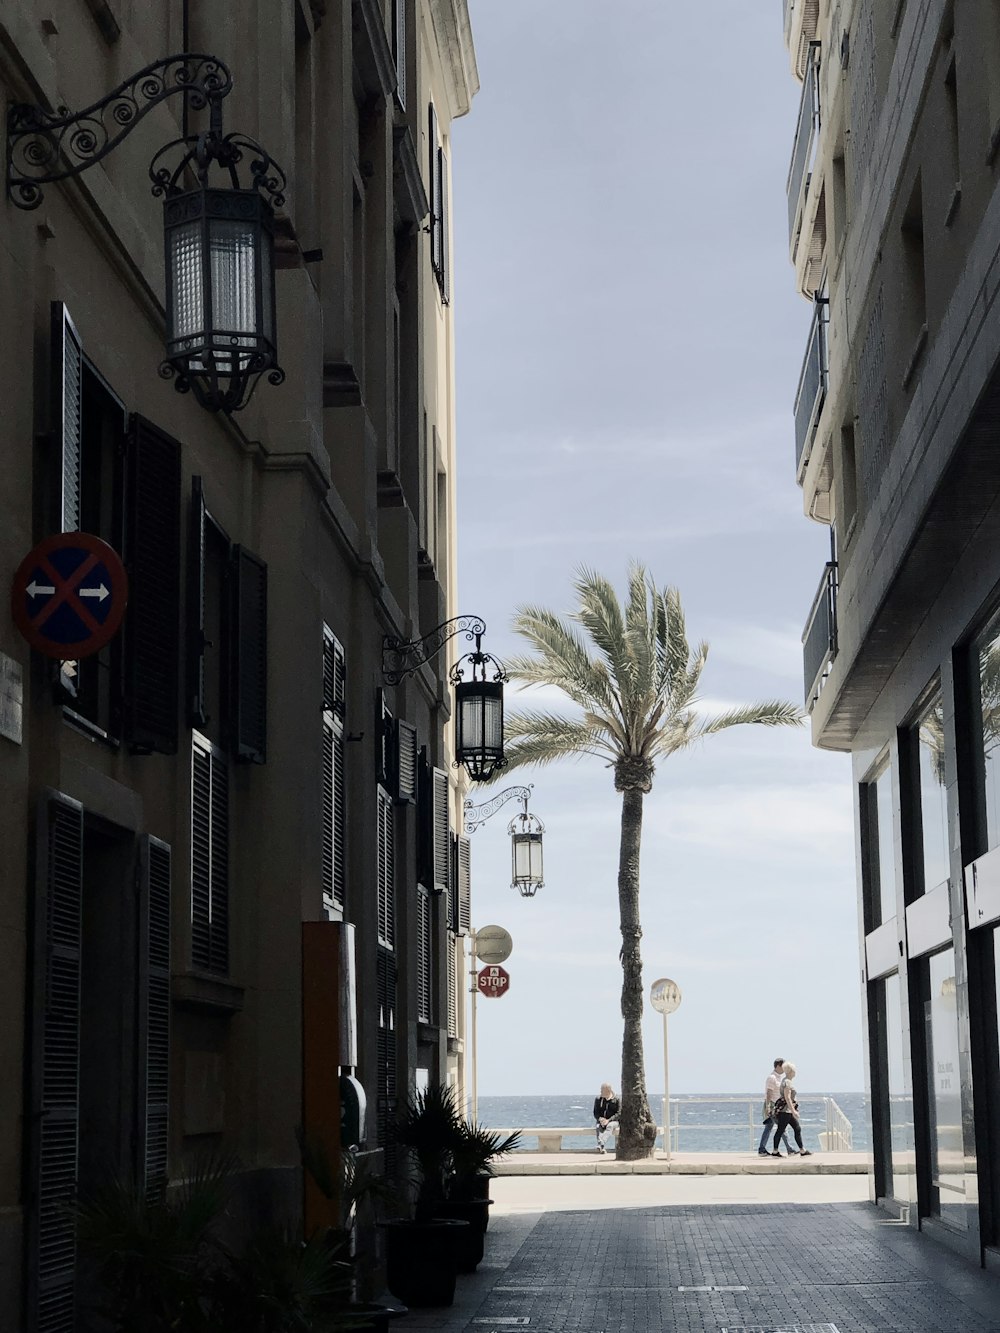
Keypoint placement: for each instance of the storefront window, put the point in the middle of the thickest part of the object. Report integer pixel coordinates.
(947, 1157)
(881, 858)
(900, 1089)
(989, 712)
(933, 797)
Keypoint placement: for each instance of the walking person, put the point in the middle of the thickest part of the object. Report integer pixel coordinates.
(787, 1111)
(606, 1115)
(771, 1095)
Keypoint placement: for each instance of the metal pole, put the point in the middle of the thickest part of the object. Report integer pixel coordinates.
(666, 1093)
(475, 992)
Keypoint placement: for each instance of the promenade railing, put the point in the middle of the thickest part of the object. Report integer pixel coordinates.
(711, 1124)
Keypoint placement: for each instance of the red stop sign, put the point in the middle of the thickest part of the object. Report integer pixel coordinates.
(493, 981)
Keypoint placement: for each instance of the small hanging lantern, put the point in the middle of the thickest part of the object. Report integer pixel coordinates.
(479, 714)
(526, 853)
(219, 248)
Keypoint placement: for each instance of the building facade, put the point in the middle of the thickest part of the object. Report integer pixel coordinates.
(894, 219)
(228, 871)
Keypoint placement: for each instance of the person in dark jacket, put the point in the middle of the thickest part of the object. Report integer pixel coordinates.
(606, 1115)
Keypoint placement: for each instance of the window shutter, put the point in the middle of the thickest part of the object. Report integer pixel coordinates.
(441, 833)
(386, 906)
(383, 740)
(423, 956)
(464, 877)
(399, 49)
(405, 762)
(425, 822)
(209, 858)
(154, 1012)
(67, 356)
(452, 987)
(196, 607)
(53, 1108)
(152, 559)
(250, 649)
(334, 755)
(434, 176)
(385, 1057)
(443, 226)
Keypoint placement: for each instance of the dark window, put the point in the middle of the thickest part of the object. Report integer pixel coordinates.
(438, 193)
(385, 1056)
(119, 480)
(227, 637)
(878, 848)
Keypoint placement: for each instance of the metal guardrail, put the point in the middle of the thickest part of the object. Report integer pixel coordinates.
(820, 1116)
(819, 638)
(800, 167)
(813, 379)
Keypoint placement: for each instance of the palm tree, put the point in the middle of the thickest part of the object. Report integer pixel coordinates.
(634, 679)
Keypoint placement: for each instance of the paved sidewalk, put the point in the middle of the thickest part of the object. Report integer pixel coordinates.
(578, 1162)
(699, 1266)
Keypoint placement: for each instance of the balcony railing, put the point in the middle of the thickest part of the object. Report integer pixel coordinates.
(819, 638)
(811, 393)
(803, 150)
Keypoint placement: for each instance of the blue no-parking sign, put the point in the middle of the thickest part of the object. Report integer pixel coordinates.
(69, 595)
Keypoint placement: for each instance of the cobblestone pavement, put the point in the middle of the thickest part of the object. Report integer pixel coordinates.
(740, 1268)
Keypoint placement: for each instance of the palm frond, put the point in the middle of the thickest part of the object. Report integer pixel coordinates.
(768, 713)
(538, 738)
(600, 614)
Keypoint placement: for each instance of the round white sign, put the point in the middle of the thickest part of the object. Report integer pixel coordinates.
(664, 995)
(493, 944)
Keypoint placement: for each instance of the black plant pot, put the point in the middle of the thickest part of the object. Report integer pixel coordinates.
(376, 1317)
(421, 1260)
(469, 1242)
(473, 1189)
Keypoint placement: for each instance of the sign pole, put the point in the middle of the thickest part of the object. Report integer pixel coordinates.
(666, 1093)
(475, 1054)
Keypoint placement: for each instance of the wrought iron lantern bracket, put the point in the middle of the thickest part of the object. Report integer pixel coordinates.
(477, 815)
(401, 657)
(48, 146)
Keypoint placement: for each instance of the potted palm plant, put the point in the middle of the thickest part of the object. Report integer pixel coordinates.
(472, 1162)
(423, 1252)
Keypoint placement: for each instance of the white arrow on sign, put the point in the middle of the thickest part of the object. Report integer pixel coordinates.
(100, 593)
(38, 589)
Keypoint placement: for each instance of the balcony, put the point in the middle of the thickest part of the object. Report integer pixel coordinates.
(819, 638)
(804, 149)
(811, 393)
(801, 23)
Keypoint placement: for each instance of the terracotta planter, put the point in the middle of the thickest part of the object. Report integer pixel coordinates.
(421, 1260)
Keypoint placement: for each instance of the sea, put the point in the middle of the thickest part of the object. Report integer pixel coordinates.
(725, 1122)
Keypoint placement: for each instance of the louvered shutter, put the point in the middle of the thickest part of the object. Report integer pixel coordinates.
(385, 1057)
(67, 356)
(441, 833)
(334, 791)
(425, 822)
(54, 1074)
(434, 177)
(385, 872)
(154, 1012)
(452, 987)
(399, 48)
(196, 607)
(405, 762)
(443, 226)
(424, 966)
(209, 858)
(152, 559)
(250, 653)
(67, 418)
(464, 889)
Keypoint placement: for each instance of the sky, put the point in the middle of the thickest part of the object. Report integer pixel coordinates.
(628, 342)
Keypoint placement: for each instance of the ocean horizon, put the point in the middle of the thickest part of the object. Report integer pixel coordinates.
(708, 1122)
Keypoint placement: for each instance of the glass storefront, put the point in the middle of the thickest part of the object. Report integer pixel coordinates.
(989, 712)
(900, 1177)
(933, 797)
(880, 888)
(944, 1093)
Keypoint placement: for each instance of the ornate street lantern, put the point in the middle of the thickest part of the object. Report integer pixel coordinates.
(479, 714)
(526, 853)
(218, 239)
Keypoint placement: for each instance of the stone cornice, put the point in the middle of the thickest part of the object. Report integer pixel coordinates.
(453, 32)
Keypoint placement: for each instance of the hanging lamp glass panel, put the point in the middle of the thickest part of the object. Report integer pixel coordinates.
(479, 727)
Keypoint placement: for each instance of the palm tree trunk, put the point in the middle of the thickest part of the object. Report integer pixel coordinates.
(637, 1136)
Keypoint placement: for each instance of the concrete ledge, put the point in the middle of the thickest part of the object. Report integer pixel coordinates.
(684, 1164)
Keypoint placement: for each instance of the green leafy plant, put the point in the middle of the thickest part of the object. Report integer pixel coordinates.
(431, 1128)
(474, 1154)
(281, 1284)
